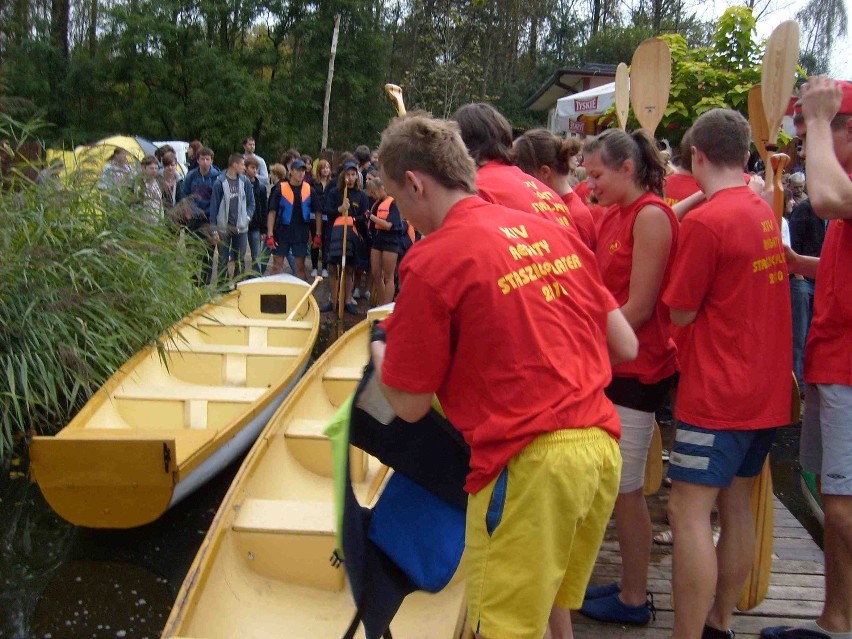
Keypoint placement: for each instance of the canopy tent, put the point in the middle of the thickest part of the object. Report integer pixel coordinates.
(85, 163)
(575, 112)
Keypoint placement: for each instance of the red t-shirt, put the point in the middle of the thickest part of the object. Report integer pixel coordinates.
(736, 373)
(507, 185)
(585, 193)
(510, 335)
(679, 186)
(582, 217)
(657, 357)
(828, 354)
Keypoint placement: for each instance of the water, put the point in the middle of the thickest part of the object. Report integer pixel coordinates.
(58, 581)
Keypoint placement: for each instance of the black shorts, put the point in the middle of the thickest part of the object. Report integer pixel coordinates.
(631, 393)
(386, 242)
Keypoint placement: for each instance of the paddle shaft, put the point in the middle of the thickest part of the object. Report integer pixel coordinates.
(305, 297)
(341, 285)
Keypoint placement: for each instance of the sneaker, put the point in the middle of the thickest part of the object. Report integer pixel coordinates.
(356, 293)
(313, 272)
(596, 592)
(715, 633)
(327, 308)
(351, 309)
(324, 272)
(611, 609)
(789, 632)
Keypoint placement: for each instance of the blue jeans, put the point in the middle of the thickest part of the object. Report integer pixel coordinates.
(802, 296)
(259, 254)
(231, 245)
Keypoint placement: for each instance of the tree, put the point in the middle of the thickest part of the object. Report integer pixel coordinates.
(822, 22)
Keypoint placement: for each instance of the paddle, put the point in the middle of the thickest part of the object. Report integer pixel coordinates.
(622, 95)
(305, 297)
(654, 463)
(778, 76)
(759, 127)
(650, 81)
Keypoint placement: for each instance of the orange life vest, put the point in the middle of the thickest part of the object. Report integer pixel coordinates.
(384, 208)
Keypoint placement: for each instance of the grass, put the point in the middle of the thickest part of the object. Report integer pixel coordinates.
(84, 284)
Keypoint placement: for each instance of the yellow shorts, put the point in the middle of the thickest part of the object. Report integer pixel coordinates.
(534, 532)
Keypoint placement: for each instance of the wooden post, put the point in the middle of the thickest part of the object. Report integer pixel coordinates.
(327, 102)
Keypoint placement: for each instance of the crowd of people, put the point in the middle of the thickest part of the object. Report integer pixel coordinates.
(549, 339)
(563, 294)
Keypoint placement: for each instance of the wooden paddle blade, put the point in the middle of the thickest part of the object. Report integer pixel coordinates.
(762, 509)
(622, 94)
(757, 121)
(654, 463)
(778, 75)
(650, 81)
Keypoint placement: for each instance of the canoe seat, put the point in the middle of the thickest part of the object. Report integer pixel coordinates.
(248, 321)
(290, 541)
(307, 442)
(233, 394)
(344, 373)
(224, 349)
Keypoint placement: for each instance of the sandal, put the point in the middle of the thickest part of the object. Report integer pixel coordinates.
(665, 538)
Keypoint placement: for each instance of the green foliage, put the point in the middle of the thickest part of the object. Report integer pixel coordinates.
(84, 284)
(718, 75)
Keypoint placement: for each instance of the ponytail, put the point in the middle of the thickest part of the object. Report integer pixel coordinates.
(651, 166)
(539, 147)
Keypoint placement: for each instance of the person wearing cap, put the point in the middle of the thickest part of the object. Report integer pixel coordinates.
(291, 204)
(346, 206)
(825, 128)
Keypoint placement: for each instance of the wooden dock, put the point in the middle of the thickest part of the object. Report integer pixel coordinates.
(796, 590)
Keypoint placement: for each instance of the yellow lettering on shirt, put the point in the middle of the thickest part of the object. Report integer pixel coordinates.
(771, 242)
(767, 226)
(515, 232)
(537, 270)
(519, 251)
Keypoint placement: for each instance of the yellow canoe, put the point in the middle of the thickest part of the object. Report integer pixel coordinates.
(263, 570)
(168, 421)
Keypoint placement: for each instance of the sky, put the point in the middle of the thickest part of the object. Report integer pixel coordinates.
(841, 60)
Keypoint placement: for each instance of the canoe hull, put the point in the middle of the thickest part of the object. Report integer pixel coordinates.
(263, 568)
(156, 431)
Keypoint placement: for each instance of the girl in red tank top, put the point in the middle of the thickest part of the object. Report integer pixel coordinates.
(635, 248)
(552, 159)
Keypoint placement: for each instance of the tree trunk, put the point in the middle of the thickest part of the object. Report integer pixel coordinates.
(327, 101)
(59, 14)
(93, 27)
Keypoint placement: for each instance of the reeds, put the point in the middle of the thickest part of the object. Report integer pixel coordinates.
(85, 282)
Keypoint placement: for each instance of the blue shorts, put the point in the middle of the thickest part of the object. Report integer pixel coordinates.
(714, 457)
(299, 249)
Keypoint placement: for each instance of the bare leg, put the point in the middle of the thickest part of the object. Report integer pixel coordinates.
(277, 265)
(300, 268)
(837, 611)
(376, 269)
(334, 283)
(386, 279)
(735, 552)
(350, 283)
(559, 625)
(693, 557)
(633, 524)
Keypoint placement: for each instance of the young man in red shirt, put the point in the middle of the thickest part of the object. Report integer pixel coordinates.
(825, 128)
(729, 281)
(516, 351)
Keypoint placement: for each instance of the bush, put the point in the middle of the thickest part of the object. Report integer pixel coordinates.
(84, 284)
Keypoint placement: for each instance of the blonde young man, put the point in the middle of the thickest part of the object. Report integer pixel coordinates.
(516, 351)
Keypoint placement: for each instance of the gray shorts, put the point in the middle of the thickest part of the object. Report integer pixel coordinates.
(825, 446)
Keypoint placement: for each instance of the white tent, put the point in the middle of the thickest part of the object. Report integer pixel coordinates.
(591, 102)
